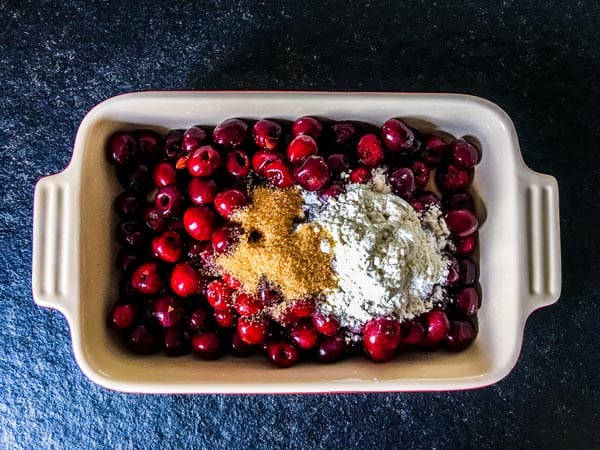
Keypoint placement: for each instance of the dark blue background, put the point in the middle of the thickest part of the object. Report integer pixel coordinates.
(538, 60)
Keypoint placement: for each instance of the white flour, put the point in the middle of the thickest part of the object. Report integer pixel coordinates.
(387, 260)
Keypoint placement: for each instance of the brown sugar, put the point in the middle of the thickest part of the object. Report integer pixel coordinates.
(277, 248)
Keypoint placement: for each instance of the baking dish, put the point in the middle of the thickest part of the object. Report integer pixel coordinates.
(74, 247)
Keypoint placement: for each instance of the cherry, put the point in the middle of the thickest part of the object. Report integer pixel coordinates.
(154, 220)
(121, 150)
(313, 173)
(301, 147)
(412, 332)
(307, 126)
(461, 222)
(219, 295)
(230, 200)
(192, 139)
(201, 254)
(421, 173)
(278, 173)
(230, 133)
(127, 260)
(381, 337)
(370, 150)
(331, 348)
(266, 134)
(402, 182)
(463, 154)
(225, 317)
(239, 347)
(333, 191)
(172, 145)
(237, 163)
(436, 326)
(460, 200)
(122, 315)
(282, 354)
(452, 269)
(202, 191)
(465, 245)
(424, 201)
(248, 304)
(200, 222)
(232, 282)
(360, 174)
(397, 136)
(146, 279)
(450, 178)
(130, 235)
(204, 161)
(185, 281)
(176, 341)
(141, 340)
(207, 345)
(326, 324)
(466, 301)
(304, 335)
(126, 205)
(164, 174)
(168, 246)
(460, 336)
(252, 330)
(338, 163)
(299, 309)
(226, 237)
(467, 271)
(168, 311)
(168, 201)
(262, 158)
(136, 179)
(197, 319)
(148, 144)
(343, 134)
(433, 149)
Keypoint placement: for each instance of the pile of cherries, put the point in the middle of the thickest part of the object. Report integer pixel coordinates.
(180, 190)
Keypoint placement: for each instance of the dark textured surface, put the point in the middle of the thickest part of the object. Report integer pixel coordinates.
(538, 60)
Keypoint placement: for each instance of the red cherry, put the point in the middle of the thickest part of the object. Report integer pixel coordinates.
(247, 304)
(278, 173)
(412, 332)
(225, 318)
(304, 335)
(421, 173)
(461, 222)
(460, 336)
(192, 139)
(402, 182)
(237, 164)
(331, 348)
(202, 191)
(434, 147)
(168, 246)
(381, 337)
(168, 311)
(141, 340)
(308, 126)
(338, 163)
(370, 151)
(301, 147)
(232, 282)
(451, 178)
(266, 134)
(122, 315)
(185, 281)
(467, 271)
(253, 330)
(360, 174)
(466, 301)
(282, 354)
(332, 191)
(146, 279)
(464, 246)
(164, 174)
(219, 295)
(460, 200)
(203, 162)
(230, 133)
(197, 319)
(436, 326)
(207, 345)
(230, 200)
(262, 158)
(240, 348)
(200, 222)
(397, 136)
(326, 324)
(424, 201)
(463, 154)
(226, 237)
(313, 173)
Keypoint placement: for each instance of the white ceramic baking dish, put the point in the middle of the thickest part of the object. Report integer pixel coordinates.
(74, 245)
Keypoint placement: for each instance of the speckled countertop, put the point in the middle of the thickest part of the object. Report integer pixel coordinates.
(538, 60)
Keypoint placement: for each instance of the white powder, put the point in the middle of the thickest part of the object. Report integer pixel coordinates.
(387, 261)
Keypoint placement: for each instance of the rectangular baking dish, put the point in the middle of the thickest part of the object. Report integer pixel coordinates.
(74, 246)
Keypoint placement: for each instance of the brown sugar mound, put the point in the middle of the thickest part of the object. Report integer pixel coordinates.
(276, 248)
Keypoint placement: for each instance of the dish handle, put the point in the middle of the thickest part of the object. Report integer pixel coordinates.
(542, 235)
(55, 279)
